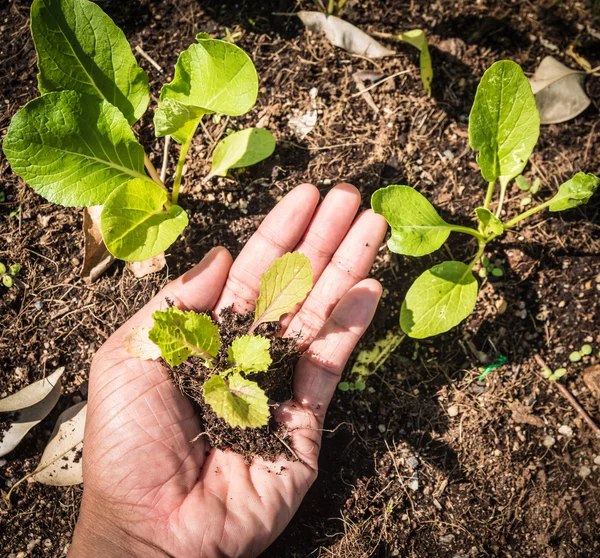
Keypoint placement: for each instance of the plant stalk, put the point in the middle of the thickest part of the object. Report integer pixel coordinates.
(526, 214)
(501, 200)
(165, 162)
(180, 163)
(489, 194)
(152, 171)
(468, 230)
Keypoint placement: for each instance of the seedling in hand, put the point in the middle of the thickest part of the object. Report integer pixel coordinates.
(75, 147)
(504, 128)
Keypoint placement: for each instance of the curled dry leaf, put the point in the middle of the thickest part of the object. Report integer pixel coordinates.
(96, 258)
(342, 34)
(360, 78)
(138, 344)
(558, 91)
(146, 267)
(61, 463)
(30, 405)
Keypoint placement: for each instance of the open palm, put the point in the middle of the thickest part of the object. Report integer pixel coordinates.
(154, 487)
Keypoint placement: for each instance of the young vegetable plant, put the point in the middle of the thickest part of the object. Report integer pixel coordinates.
(229, 388)
(503, 127)
(74, 145)
(7, 275)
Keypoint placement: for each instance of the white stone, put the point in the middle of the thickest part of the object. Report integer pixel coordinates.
(565, 430)
(453, 411)
(549, 441)
(597, 460)
(584, 472)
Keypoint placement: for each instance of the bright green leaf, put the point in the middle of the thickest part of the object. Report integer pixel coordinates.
(182, 334)
(417, 38)
(504, 123)
(535, 186)
(417, 229)
(574, 192)
(211, 76)
(369, 361)
(138, 222)
(2, 268)
(73, 149)
(250, 353)
(242, 149)
(173, 118)
(282, 286)
(522, 183)
(238, 401)
(14, 269)
(438, 300)
(490, 223)
(80, 48)
(7, 281)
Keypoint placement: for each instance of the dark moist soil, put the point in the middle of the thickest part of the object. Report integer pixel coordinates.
(427, 461)
(268, 442)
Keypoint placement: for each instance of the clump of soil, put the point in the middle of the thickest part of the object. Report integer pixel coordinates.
(270, 441)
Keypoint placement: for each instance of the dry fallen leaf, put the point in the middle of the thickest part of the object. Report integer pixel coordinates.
(61, 463)
(152, 265)
(138, 344)
(30, 405)
(558, 91)
(360, 78)
(96, 259)
(342, 34)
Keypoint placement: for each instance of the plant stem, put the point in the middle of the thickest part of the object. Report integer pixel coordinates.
(481, 248)
(489, 195)
(526, 214)
(163, 170)
(151, 170)
(180, 162)
(501, 200)
(468, 230)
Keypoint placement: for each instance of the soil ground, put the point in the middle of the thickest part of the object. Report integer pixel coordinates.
(427, 461)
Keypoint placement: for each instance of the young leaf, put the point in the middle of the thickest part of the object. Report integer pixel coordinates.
(574, 192)
(182, 334)
(73, 149)
(417, 229)
(138, 221)
(417, 38)
(522, 183)
(250, 353)
(490, 223)
(137, 344)
(242, 149)
(61, 463)
(80, 48)
(210, 76)
(240, 402)
(438, 300)
(369, 361)
(504, 123)
(32, 404)
(285, 284)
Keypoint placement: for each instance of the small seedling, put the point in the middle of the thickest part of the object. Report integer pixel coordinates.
(330, 7)
(230, 392)
(576, 356)
(75, 147)
(503, 127)
(488, 268)
(553, 376)
(8, 275)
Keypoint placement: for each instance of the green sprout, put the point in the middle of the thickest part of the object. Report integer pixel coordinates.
(7, 276)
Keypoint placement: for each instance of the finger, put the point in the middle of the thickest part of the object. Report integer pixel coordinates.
(327, 229)
(278, 234)
(320, 367)
(350, 264)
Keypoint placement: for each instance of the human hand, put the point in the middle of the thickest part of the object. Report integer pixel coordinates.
(148, 490)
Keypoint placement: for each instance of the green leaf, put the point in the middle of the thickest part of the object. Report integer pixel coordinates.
(138, 222)
(417, 229)
(282, 286)
(211, 76)
(417, 38)
(369, 361)
(239, 402)
(242, 149)
(504, 123)
(250, 353)
(522, 183)
(80, 48)
(438, 300)
(182, 334)
(173, 118)
(490, 223)
(574, 192)
(73, 149)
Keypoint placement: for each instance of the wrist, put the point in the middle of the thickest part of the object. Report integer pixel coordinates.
(99, 536)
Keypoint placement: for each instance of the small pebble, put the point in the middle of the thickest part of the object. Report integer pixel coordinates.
(597, 460)
(549, 441)
(584, 472)
(382, 428)
(447, 539)
(412, 462)
(453, 411)
(413, 485)
(38, 305)
(448, 154)
(565, 430)
(501, 305)
(32, 544)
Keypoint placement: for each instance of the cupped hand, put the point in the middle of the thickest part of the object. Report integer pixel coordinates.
(152, 487)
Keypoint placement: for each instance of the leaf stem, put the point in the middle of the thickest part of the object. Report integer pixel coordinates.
(501, 200)
(151, 170)
(526, 214)
(489, 194)
(481, 248)
(185, 147)
(468, 230)
(165, 161)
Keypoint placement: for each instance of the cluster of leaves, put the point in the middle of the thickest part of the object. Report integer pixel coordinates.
(8, 275)
(179, 335)
(586, 350)
(490, 268)
(74, 145)
(503, 127)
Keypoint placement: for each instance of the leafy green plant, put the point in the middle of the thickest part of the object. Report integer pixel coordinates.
(74, 145)
(7, 275)
(229, 391)
(503, 127)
